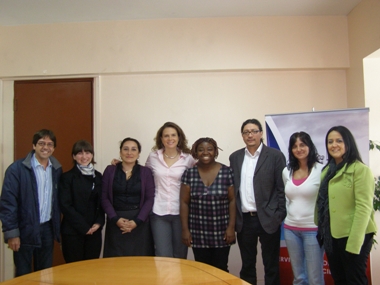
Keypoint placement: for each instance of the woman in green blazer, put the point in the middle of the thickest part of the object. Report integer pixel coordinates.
(345, 215)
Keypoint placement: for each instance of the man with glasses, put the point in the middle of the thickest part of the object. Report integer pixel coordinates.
(260, 202)
(29, 208)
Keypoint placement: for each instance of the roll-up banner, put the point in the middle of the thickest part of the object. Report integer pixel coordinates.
(280, 127)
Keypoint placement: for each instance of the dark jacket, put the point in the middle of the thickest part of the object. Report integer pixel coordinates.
(268, 187)
(80, 204)
(19, 206)
(147, 192)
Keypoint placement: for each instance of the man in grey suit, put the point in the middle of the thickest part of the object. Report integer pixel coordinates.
(260, 202)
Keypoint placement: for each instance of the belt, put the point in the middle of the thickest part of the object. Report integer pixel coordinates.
(253, 214)
(131, 207)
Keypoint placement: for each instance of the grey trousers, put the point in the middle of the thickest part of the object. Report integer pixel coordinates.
(167, 235)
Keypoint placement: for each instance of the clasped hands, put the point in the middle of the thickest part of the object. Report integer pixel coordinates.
(125, 225)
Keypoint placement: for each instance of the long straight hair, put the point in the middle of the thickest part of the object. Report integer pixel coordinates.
(352, 153)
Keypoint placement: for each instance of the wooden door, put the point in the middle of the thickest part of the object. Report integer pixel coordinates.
(63, 106)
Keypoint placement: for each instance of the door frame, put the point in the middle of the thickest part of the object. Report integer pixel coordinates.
(7, 144)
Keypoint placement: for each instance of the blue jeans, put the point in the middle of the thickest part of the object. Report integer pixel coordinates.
(167, 236)
(306, 257)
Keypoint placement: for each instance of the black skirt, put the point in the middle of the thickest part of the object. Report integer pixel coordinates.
(139, 242)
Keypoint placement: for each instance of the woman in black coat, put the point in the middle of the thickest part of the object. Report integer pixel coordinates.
(83, 218)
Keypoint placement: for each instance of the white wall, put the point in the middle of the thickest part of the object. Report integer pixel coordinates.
(371, 66)
(363, 39)
(6, 158)
(1, 177)
(174, 45)
(207, 104)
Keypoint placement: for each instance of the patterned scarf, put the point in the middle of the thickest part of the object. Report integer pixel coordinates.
(324, 230)
(87, 170)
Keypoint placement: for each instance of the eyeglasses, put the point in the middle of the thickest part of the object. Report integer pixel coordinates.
(251, 132)
(49, 144)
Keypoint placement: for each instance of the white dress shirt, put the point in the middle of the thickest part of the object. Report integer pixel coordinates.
(247, 190)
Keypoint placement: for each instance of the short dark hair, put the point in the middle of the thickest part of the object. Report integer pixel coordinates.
(182, 141)
(42, 134)
(352, 153)
(82, 145)
(202, 140)
(133, 140)
(312, 157)
(252, 121)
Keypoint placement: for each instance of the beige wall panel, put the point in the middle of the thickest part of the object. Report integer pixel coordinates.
(174, 45)
(208, 104)
(364, 39)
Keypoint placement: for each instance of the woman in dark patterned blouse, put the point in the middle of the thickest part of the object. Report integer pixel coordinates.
(207, 206)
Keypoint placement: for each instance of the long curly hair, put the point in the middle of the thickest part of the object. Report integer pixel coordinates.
(182, 141)
(312, 157)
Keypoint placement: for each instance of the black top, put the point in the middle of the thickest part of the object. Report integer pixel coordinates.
(126, 193)
(79, 197)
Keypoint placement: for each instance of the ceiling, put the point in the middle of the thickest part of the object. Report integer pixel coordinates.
(25, 12)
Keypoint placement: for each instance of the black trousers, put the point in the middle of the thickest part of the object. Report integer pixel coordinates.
(217, 257)
(251, 232)
(348, 268)
(81, 247)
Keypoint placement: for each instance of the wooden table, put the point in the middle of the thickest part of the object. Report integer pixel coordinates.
(130, 270)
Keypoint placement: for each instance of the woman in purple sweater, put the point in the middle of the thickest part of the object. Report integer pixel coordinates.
(127, 199)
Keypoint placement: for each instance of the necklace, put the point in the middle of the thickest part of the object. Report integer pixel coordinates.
(128, 172)
(171, 157)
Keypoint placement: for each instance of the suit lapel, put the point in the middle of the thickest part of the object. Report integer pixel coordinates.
(240, 160)
(263, 156)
